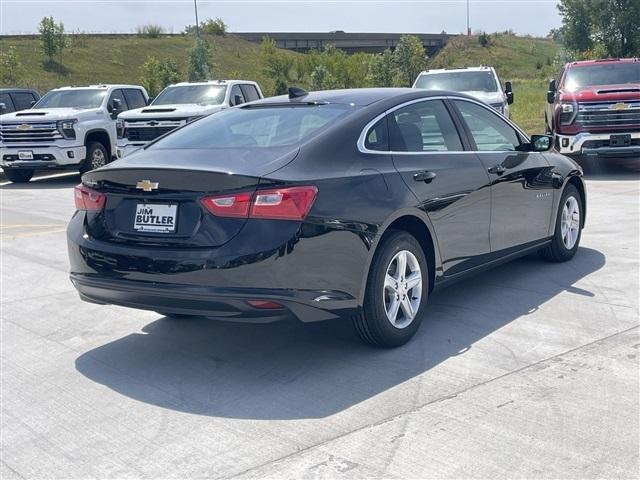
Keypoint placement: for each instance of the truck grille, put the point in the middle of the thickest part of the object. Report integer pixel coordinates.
(609, 114)
(32, 132)
(145, 131)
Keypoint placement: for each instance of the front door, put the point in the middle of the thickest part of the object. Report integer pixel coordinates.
(521, 181)
(451, 185)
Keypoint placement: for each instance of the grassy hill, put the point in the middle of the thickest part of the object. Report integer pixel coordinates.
(527, 62)
(117, 58)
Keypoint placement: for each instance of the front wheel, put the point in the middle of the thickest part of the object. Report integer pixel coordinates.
(396, 292)
(97, 157)
(19, 176)
(569, 221)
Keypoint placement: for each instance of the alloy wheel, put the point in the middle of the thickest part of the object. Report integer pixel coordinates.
(98, 159)
(570, 222)
(402, 289)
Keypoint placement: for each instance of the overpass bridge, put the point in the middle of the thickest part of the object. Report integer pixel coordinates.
(349, 42)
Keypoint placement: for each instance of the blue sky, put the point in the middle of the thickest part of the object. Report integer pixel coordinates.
(534, 17)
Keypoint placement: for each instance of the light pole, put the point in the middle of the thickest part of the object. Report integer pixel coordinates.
(468, 26)
(195, 7)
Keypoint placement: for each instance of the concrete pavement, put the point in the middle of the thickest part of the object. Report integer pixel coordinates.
(529, 370)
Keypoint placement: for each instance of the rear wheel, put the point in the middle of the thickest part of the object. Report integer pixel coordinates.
(566, 238)
(97, 157)
(19, 176)
(396, 292)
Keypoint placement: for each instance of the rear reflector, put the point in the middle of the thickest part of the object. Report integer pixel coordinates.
(87, 199)
(265, 304)
(293, 203)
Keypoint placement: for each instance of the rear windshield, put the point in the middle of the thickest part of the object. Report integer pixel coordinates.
(605, 74)
(269, 126)
(81, 98)
(201, 94)
(459, 81)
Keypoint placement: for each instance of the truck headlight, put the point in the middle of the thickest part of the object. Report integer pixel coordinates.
(568, 113)
(65, 127)
(120, 128)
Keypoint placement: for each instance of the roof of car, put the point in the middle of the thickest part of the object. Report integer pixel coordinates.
(29, 90)
(213, 82)
(582, 63)
(481, 68)
(357, 96)
(100, 85)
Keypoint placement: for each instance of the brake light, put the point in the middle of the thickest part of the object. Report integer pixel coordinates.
(292, 203)
(87, 199)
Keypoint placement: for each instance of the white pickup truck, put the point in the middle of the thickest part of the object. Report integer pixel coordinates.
(178, 105)
(68, 128)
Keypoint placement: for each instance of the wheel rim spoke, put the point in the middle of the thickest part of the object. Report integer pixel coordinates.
(413, 280)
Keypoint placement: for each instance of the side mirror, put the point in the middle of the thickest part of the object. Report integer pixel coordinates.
(117, 105)
(3, 107)
(508, 90)
(541, 143)
(551, 93)
(32, 103)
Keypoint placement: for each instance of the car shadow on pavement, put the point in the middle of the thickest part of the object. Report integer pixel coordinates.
(611, 169)
(66, 180)
(294, 370)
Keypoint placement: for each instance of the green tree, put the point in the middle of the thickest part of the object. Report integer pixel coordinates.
(322, 79)
(200, 66)
(148, 76)
(168, 73)
(276, 63)
(410, 59)
(213, 27)
(589, 26)
(9, 64)
(52, 38)
(382, 69)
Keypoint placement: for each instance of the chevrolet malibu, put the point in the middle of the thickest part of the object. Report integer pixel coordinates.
(313, 206)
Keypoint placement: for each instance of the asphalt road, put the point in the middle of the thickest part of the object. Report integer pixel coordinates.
(530, 370)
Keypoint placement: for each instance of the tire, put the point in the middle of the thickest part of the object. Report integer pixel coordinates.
(97, 157)
(565, 243)
(19, 176)
(373, 323)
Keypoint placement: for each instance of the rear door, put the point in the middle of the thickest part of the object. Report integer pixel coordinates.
(521, 181)
(450, 183)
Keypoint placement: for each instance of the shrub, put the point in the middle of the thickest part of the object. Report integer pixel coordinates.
(9, 64)
(484, 39)
(150, 30)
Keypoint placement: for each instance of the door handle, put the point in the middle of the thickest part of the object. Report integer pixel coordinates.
(497, 169)
(426, 176)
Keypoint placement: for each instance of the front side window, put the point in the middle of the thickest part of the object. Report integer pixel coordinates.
(22, 100)
(489, 131)
(479, 81)
(196, 94)
(423, 127)
(8, 104)
(237, 98)
(82, 98)
(263, 126)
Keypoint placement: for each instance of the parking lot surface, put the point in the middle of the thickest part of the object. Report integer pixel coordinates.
(528, 370)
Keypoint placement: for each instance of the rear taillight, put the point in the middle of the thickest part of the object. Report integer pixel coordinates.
(291, 203)
(87, 199)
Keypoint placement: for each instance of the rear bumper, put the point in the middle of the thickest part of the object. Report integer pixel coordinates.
(579, 145)
(229, 304)
(52, 156)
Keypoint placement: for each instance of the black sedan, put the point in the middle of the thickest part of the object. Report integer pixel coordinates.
(312, 206)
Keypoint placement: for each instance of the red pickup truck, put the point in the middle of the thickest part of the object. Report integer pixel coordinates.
(593, 108)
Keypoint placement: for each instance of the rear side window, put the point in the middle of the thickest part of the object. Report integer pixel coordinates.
(22, 100)
(268, 126)
(377, 138)
(250, 92)
(423, 127)
(135, 98)
(489, 131)
(8, 104)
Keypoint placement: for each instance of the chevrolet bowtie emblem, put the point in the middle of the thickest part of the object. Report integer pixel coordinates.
(621, 106)
(24, 126)
(147, 185)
